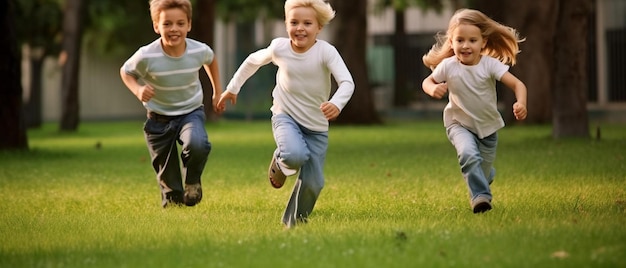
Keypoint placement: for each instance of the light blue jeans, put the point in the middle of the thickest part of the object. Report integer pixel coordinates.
(303, 149)
(476, 157)
(162, 134)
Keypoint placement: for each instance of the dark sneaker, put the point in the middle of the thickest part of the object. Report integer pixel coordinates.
(193, 194)
(173, 199)
(481, 204)
(276, 176)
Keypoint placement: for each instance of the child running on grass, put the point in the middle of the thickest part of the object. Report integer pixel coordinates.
(172, 94)
(301, 109)
(466, 62)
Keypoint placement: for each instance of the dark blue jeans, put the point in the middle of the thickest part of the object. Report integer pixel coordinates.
(163, 134)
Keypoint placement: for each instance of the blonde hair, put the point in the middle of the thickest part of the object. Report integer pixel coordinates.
(324, 11)
(502, 41)
(156, 6)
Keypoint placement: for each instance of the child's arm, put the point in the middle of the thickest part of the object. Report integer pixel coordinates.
(213, 72)
(434, 89)
(249, 66)
(345, 85)
(519, 107)
(143, 92)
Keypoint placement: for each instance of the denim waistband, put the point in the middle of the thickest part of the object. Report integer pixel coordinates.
(162, 118)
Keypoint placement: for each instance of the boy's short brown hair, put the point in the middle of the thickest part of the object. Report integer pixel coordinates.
(156, 6)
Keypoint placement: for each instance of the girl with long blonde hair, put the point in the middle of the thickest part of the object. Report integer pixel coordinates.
(466, 62)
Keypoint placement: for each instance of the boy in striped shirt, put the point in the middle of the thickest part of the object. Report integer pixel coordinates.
(171, 92)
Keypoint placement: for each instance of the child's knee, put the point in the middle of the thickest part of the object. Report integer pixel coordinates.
(294, 158)
(199, 147)
(468, 160)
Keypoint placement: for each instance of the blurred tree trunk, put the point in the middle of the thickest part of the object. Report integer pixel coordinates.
(350, 40)
(204, 30)
(552, 62)
(33, 106)
(569, 95)
(40, 37)
(535, 20)
(402, 95)
(71, 46)
(13, 134)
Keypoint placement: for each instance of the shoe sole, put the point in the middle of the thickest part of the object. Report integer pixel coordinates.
(275, 175)
(482, 207)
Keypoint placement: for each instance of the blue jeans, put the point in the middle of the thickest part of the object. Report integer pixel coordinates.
(476, 157)
(303, 149)
(162, 134)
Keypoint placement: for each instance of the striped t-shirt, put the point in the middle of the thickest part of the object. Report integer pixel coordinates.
(175, 80)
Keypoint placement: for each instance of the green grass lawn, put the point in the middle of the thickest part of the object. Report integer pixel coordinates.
(394, 197)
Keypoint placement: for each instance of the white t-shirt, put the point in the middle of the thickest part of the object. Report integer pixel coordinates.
(303, 80)
(472, 93)
(176, 83)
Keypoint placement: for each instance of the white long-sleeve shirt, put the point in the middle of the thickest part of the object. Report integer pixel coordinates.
(302, 80)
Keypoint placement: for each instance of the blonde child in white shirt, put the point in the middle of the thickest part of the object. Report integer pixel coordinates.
(301, 107)
(467, 61)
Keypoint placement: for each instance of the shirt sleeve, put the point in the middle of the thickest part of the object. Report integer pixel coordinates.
(249, 66)
(210, 55)
(439, 73)
(342, 76)
(498, 68)
(135, 65)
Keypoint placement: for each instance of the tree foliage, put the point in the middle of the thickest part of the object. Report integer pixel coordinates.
(249, 10)
(38, 28)
(401, 5)
(39, 24)
(115, 27)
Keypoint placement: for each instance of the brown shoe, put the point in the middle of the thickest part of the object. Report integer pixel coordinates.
(193, 194)
(276, 176)
(481, 204)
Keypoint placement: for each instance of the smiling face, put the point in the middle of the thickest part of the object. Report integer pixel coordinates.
(302, 27)
(467, 43)
(173, 26)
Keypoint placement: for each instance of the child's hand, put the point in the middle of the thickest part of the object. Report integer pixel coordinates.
(440, 90)
(216, 108)
(145, 93)
(221, 103)
(519, 110)
(330, 110)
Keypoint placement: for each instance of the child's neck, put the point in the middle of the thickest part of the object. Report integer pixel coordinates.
(175, 51)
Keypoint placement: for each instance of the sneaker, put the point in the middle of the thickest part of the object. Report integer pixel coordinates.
(193, 194)
(481, 204)
(276, 176)
(173, 199)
